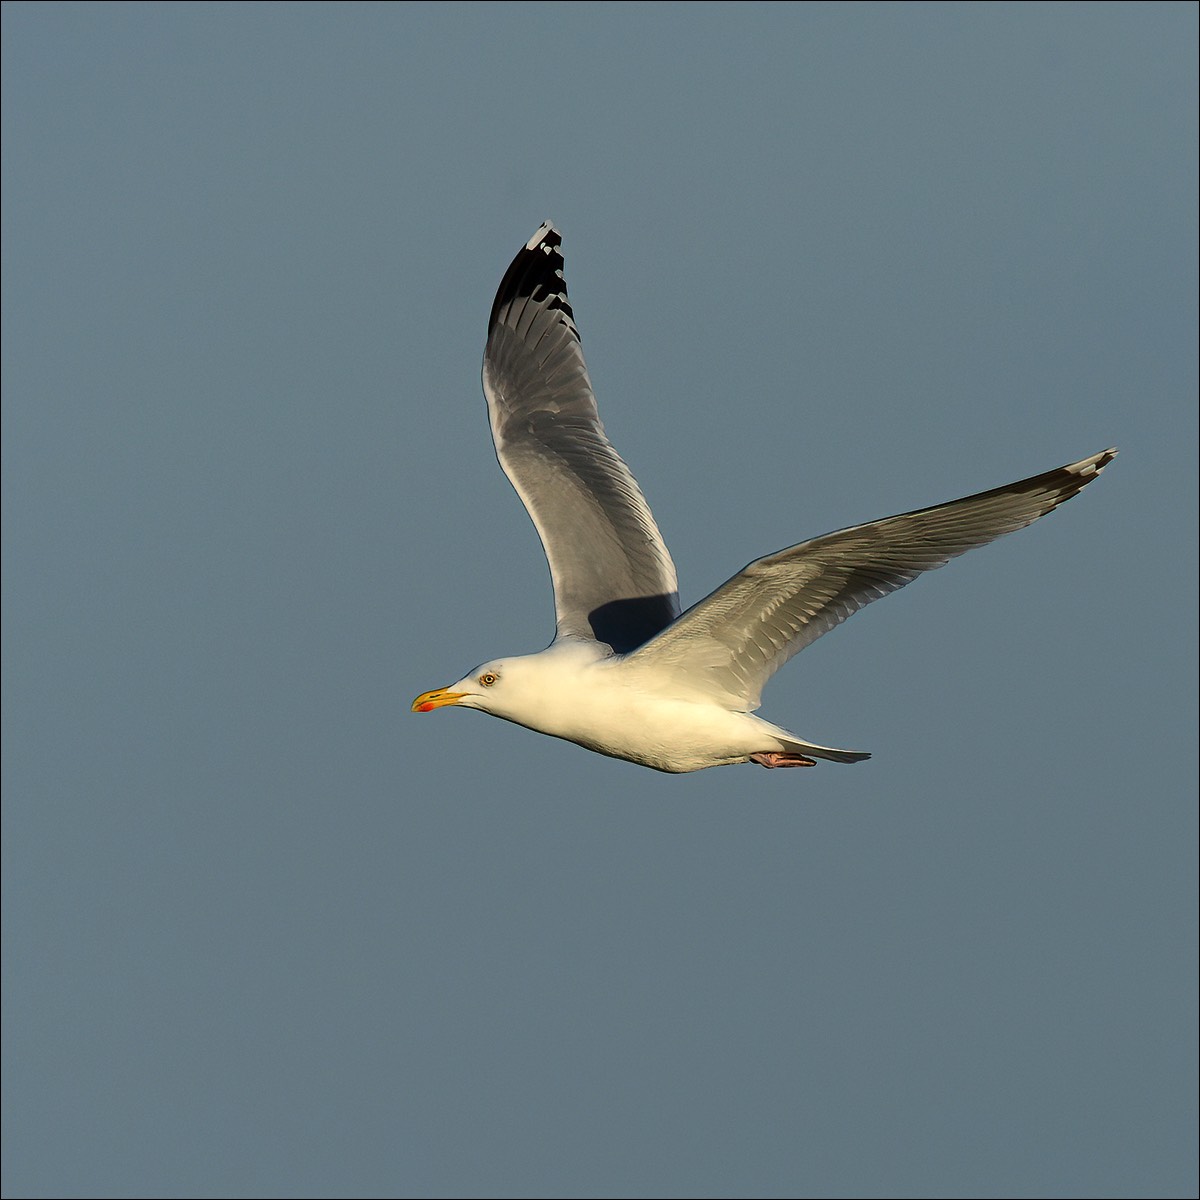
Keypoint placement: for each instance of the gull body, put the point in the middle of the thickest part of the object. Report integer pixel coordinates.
(576, 691)
(627, 675)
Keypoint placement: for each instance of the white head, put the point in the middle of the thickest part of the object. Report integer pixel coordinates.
(505, 687)
(540, 691)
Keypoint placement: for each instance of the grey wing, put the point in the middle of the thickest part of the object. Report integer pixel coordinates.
(613, 577)
(727, 646)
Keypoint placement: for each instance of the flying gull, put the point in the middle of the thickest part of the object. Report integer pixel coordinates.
(626, 674)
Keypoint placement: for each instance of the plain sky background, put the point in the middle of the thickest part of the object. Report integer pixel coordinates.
(269, 934)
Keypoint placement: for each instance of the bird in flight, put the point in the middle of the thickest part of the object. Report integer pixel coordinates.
(626, 675)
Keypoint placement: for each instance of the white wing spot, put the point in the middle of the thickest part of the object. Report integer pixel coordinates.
(535, 242)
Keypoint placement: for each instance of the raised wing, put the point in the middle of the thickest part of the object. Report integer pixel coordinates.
(613, 577)
(726, 647)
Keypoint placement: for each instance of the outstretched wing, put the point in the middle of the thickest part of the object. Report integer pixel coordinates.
(726, 647)
(613, 577)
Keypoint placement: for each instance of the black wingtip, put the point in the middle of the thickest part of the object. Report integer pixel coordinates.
(536, 273)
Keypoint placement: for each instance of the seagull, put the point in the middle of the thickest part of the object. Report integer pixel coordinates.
(626, 675)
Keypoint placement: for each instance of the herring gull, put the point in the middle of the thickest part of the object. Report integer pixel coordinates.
(626, 674)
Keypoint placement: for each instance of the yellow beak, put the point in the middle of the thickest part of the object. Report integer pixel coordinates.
(438, 698)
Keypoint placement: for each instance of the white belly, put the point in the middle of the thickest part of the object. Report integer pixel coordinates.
(655, 731)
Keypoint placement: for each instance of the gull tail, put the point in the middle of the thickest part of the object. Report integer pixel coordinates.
(793, 745)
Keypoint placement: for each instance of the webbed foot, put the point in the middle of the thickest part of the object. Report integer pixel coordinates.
(781, 758)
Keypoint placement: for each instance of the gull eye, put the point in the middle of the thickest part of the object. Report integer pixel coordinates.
(487, 678)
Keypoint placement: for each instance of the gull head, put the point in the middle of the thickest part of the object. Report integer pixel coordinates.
(504, 687)
(539, 691)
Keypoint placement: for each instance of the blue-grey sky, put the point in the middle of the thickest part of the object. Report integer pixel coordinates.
(269, 934)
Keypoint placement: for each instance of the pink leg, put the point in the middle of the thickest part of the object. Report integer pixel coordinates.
(781, 758)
